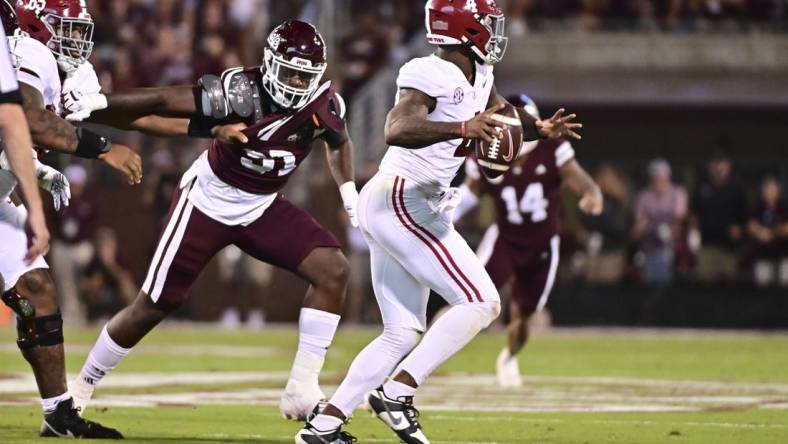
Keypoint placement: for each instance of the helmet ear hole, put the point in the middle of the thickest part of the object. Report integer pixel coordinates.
(472, 32)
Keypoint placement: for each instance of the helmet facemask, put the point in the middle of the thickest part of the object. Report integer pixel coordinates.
(495, 47)
(291, 83)
(71, 41)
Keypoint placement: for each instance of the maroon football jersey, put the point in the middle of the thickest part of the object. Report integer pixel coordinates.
(278, 140)
(528, 197)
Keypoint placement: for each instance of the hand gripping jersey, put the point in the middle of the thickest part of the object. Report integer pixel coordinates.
(456, 101)
(237, 183)
(528, 197)
(278, 141)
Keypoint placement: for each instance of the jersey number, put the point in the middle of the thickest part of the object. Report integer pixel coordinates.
(262, 164)
(465, 147)
(533, 203)
(35, 5)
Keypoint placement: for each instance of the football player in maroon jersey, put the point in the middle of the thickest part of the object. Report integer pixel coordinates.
(522, 246)
(273, 114)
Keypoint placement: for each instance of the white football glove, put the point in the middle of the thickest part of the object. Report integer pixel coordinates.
(56, 183)
(350, 200)
(78, 106)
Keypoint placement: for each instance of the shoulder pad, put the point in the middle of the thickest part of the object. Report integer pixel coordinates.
(214, 103)
(241, 92)
(331, 112)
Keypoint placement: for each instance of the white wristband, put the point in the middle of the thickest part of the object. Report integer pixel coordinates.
(348, 192)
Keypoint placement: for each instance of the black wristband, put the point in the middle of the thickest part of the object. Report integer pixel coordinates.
(201, 127)
(91, 145)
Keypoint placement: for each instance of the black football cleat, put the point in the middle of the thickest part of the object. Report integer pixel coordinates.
(65, 422)
(399, 414)
(311, 435)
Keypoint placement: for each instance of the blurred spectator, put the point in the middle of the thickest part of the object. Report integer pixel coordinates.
(106, 286)
(72, 246)
(719, 209)
(244, 280)
(660, 212)
(605, 236)
(364, 51)
(768, 229)
(161, 185)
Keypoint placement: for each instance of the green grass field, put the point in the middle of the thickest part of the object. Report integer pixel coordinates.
(199, 385)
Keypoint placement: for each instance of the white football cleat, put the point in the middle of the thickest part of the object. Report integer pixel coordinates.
(299, 400)
(507, 370)
(81, 391)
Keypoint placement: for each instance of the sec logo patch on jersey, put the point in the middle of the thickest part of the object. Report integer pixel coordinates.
(459, 95)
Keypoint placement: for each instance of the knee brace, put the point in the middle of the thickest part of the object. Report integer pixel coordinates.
(32, 331)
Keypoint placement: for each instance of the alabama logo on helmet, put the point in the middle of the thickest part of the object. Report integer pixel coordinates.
(477, 24)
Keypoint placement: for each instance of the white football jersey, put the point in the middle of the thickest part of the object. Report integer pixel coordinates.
(37, 67)
(456, 101)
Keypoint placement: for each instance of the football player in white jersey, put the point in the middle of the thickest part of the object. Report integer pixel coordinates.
(50, 46)
(445, 101)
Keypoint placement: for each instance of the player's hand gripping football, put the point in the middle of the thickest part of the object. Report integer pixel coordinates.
(125, 160)
(559, 126)
(483, 125)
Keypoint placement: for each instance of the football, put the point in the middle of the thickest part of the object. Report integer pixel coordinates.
(496, 157)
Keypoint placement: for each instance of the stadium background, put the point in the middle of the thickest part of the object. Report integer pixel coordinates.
(685, 81)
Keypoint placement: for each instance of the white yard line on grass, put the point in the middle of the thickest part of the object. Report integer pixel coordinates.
(448, 393)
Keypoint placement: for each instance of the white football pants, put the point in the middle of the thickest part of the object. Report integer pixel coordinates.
(414, 248)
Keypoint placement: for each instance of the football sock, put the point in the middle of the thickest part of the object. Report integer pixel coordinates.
(316, 331)
(104, 356)
(372, 365)
(50, 404)
(325, 423)
(448, 335)
(395, 389)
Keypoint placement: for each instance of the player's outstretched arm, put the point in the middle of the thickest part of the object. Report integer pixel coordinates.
(407, 125)
(579, 181)
(556, 127)
(339, 154)
(50, 131)
(173, 101)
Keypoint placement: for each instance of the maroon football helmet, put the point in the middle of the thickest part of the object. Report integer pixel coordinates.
(64, 26)
(477, 24)
(294, 62)
(8, 15)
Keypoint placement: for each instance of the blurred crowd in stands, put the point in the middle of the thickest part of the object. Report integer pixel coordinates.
(630, 15)
(715, 228)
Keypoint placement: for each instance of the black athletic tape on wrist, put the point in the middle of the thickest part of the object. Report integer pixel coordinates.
(201, 127)
(91, 145)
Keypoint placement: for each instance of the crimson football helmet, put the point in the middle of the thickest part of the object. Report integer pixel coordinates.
(477, 24)
(527, 103)
(294, 63)
(64, 26)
